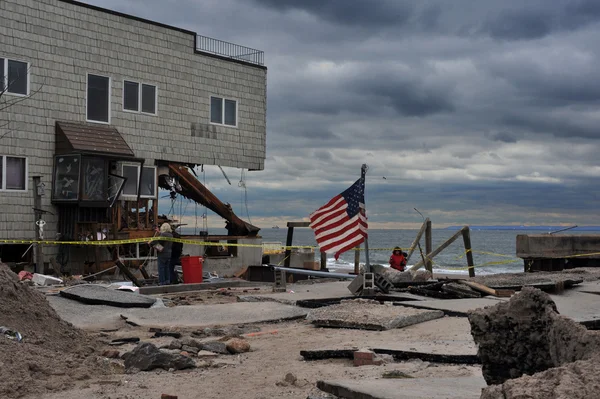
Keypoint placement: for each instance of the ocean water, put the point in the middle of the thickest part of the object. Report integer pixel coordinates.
(493, 250)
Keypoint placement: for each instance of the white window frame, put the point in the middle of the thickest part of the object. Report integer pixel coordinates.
(139, 110)
(139, 176)
(237, 107)
(3, 185)
(87, 80)
(5, 77)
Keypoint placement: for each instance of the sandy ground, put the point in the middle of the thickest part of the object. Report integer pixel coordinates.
(259, 373)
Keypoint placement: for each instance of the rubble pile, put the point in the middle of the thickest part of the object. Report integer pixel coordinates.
(528, 350)
(52, 354)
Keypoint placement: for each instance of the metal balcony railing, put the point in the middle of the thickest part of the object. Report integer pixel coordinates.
(230, 50)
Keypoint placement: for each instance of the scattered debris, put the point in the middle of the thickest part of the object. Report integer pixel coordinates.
(545, 281)
(366, 357)
(127, 321)
(165, 396)
(123, 341)
(190, 349)
(147, 356)
(42, 279)
(158, 334)
(395, 374)
(369, 315)
(23, 275)
(229, 331)
(237, 345)
(11, 334)
(93, 294)
(525, 336)
(216, 347)
(461, 291)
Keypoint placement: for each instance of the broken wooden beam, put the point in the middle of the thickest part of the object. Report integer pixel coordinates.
(398, 355)
(484, 289)
(125, 270)
(430, 255)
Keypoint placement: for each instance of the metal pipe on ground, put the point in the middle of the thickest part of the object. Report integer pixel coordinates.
(313, 273)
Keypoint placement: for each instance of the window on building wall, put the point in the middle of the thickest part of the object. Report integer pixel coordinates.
(223, 111)
(14, 76)
(147, 178)
(139, 97)
(13, 173)
(98, 98)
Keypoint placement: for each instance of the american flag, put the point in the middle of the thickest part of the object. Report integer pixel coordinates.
(341, 224)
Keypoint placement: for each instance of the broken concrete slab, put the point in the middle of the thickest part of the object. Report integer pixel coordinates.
(410, 388)
(454, 307)
(93, 294)
(43, 279)
(166, 289)
(578, 306)
(194, 316)
(369, 315)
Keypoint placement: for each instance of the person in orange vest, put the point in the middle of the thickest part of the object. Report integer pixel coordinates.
(398, 259)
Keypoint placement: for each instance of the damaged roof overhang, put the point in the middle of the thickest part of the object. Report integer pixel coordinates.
(90, 139)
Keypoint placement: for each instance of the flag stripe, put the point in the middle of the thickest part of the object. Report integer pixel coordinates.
(331, 217)
(327, 207)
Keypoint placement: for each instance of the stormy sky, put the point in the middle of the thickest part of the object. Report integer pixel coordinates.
(474, 111)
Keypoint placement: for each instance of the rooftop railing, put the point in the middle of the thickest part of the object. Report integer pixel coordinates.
(230, 50)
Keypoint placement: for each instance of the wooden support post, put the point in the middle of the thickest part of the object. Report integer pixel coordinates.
(431, 255)
(356, 260)
(288, 244)
(125, 270)
(466, 233)
(428, 244)
(323, 261)
(417, 238)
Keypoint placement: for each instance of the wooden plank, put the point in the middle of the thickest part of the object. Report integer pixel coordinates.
(484, 289)
(323, 261)
(467, 241)
(298, 224)
(417, 239)
(288, 243)
(356, 260)
(431, 255)
(428, 245)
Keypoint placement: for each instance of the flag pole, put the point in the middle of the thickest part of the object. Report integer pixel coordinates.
(363, 173)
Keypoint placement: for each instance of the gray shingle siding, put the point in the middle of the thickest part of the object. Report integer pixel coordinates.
(64, 42)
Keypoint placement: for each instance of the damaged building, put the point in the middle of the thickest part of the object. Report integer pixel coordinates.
(101, 109)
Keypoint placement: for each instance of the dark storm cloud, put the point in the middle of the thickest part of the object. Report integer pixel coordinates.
(504, 137)
(350, 12)
(540, 18)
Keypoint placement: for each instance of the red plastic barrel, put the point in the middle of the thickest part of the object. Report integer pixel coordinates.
(192, 269)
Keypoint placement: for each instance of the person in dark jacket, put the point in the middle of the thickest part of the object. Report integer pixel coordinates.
(176, 251)
(164, 253)
(398, 259)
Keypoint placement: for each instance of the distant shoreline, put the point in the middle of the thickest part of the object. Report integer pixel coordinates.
(532, 228)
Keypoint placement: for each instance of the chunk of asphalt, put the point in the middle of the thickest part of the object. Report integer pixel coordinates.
(93, 294)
